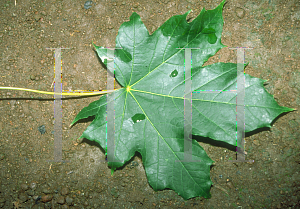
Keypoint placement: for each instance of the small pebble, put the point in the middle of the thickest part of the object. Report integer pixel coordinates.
(33, 185)
(240, 12)
(46, 191)
(30, 192)
(2, 156)
(47, 198)
(42, 129)
(35, 197)
(24, 187)
(230, 184)
(139, 9)
(64, 191)
(69, 200)
(255, 142)
(32, 77)
(7, 67)
(37, 17)
(88, 4)
(61, 200)
(133, 164)
(23, 197)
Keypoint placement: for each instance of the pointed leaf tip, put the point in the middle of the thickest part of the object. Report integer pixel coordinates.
(222, 3)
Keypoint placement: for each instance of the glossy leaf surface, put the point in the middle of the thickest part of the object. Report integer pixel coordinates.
(149, 110)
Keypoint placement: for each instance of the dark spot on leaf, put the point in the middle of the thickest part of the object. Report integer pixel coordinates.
(174, 73)
(138, 117)
(212, 38)
(208, 31)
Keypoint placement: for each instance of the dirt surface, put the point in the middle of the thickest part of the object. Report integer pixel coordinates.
(30, 180)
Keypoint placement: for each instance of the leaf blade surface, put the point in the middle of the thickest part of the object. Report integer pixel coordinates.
(149, 110)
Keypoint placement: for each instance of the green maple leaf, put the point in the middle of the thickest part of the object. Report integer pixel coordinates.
(149, 110)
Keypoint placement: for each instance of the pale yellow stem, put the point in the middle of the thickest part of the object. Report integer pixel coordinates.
(52, 93)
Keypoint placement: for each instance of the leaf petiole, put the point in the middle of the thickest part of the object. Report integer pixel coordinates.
(53, 93)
